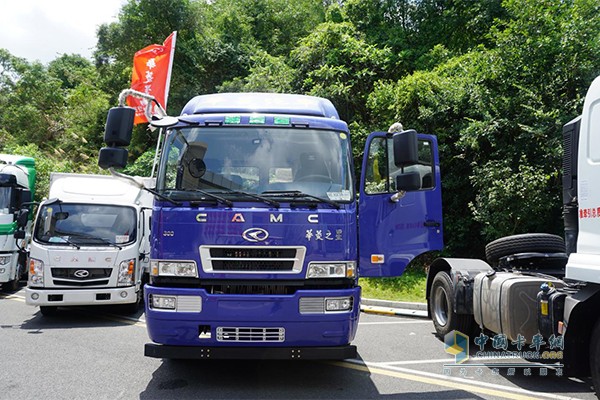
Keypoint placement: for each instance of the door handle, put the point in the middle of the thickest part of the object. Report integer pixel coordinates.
(432, 224)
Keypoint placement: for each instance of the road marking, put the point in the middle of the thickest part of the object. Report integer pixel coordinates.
(403, 322)
(507, 392)
(444, 360)
(13, 297)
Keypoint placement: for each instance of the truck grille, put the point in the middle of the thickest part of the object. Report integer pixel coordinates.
(235, 334)
(72, 273)
(251, 259)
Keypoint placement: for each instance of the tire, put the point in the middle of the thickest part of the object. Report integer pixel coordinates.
(595, 357)
(441, 308)
(49, 311)
(525, 243)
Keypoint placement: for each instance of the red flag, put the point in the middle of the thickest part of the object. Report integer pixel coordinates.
(152, 75)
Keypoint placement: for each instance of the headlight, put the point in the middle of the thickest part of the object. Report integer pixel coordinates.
(174, 268)
(126, 273)
(338, 304)
(331, 270)
(163, 302)
(36, 273)
(4, 260)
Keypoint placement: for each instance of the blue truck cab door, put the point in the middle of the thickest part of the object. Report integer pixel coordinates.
(396, 226)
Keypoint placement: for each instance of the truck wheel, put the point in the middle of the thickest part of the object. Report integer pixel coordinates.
(595, 357)
(441, 308)
(525, 243)
(48, 311)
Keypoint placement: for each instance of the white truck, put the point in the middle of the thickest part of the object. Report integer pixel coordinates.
(17, 183)
(90, 243)
(538, 289)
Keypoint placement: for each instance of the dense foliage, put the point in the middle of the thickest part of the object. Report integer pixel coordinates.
(495, 80)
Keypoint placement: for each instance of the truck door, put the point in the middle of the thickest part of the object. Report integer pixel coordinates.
(393, 231)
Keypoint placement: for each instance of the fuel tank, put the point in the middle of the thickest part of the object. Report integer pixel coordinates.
(506, 302)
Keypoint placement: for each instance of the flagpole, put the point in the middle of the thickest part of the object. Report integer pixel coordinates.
(172, 55)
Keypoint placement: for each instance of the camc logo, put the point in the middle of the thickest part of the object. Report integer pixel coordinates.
(81, 273)
(255, 235)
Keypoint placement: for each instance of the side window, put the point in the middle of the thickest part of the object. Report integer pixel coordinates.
(377, 174)
(381, 171)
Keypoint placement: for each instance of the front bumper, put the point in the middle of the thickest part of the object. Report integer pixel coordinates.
(250, 353)
(80, 297)
(251, 321)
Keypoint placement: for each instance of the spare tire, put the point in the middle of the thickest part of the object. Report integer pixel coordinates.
(525, 243)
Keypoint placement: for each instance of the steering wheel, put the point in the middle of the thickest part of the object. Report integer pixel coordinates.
(314, 178)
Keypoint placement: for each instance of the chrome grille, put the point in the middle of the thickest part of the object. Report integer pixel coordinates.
(250, 334)
(312, 305)
(252, 259)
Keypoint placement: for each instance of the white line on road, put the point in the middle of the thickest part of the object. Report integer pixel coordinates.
(449, 381)
(402, 322)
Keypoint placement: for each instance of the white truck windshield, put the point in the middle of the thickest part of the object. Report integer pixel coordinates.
(257, 161)
(86, 224)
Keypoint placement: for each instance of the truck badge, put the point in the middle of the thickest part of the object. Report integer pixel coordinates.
(255, 235)
(81, 273)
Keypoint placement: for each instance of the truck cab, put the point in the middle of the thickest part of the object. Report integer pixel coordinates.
(90, 243)
(17, 184)
(259, 233)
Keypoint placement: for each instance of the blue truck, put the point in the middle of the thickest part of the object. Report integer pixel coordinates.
(260, 228)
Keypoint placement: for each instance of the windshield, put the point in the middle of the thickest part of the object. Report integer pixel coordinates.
(86, 224)
(5, 199)
(256, 161)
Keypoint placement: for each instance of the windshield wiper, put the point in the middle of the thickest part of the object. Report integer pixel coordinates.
(254, 196)
(299, 194)
(163, 197)
(64, 240)
(86, 236)
(228, 203)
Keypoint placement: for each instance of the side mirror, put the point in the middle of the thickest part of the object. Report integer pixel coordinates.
(19, 234)
(408, 181)
(119, 126)
(406, 148)
(22, 217)
(112, 157)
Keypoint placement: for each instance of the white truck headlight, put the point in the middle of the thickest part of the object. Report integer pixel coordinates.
(331, 270)
(126, 273)
(36, 273)
(173, 268)
(4, 260)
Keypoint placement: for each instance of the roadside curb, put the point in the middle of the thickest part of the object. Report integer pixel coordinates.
(399, 308)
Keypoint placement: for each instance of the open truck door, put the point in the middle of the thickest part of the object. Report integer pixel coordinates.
(400, 203)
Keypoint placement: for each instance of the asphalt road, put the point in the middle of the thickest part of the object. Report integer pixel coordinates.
(89, 353)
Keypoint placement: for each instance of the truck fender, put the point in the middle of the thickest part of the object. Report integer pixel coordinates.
(579, 319)
(462, 272)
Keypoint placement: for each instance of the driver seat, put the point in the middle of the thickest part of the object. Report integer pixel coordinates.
(311, 164)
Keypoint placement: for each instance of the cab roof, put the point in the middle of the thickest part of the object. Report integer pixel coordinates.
(265, 103)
